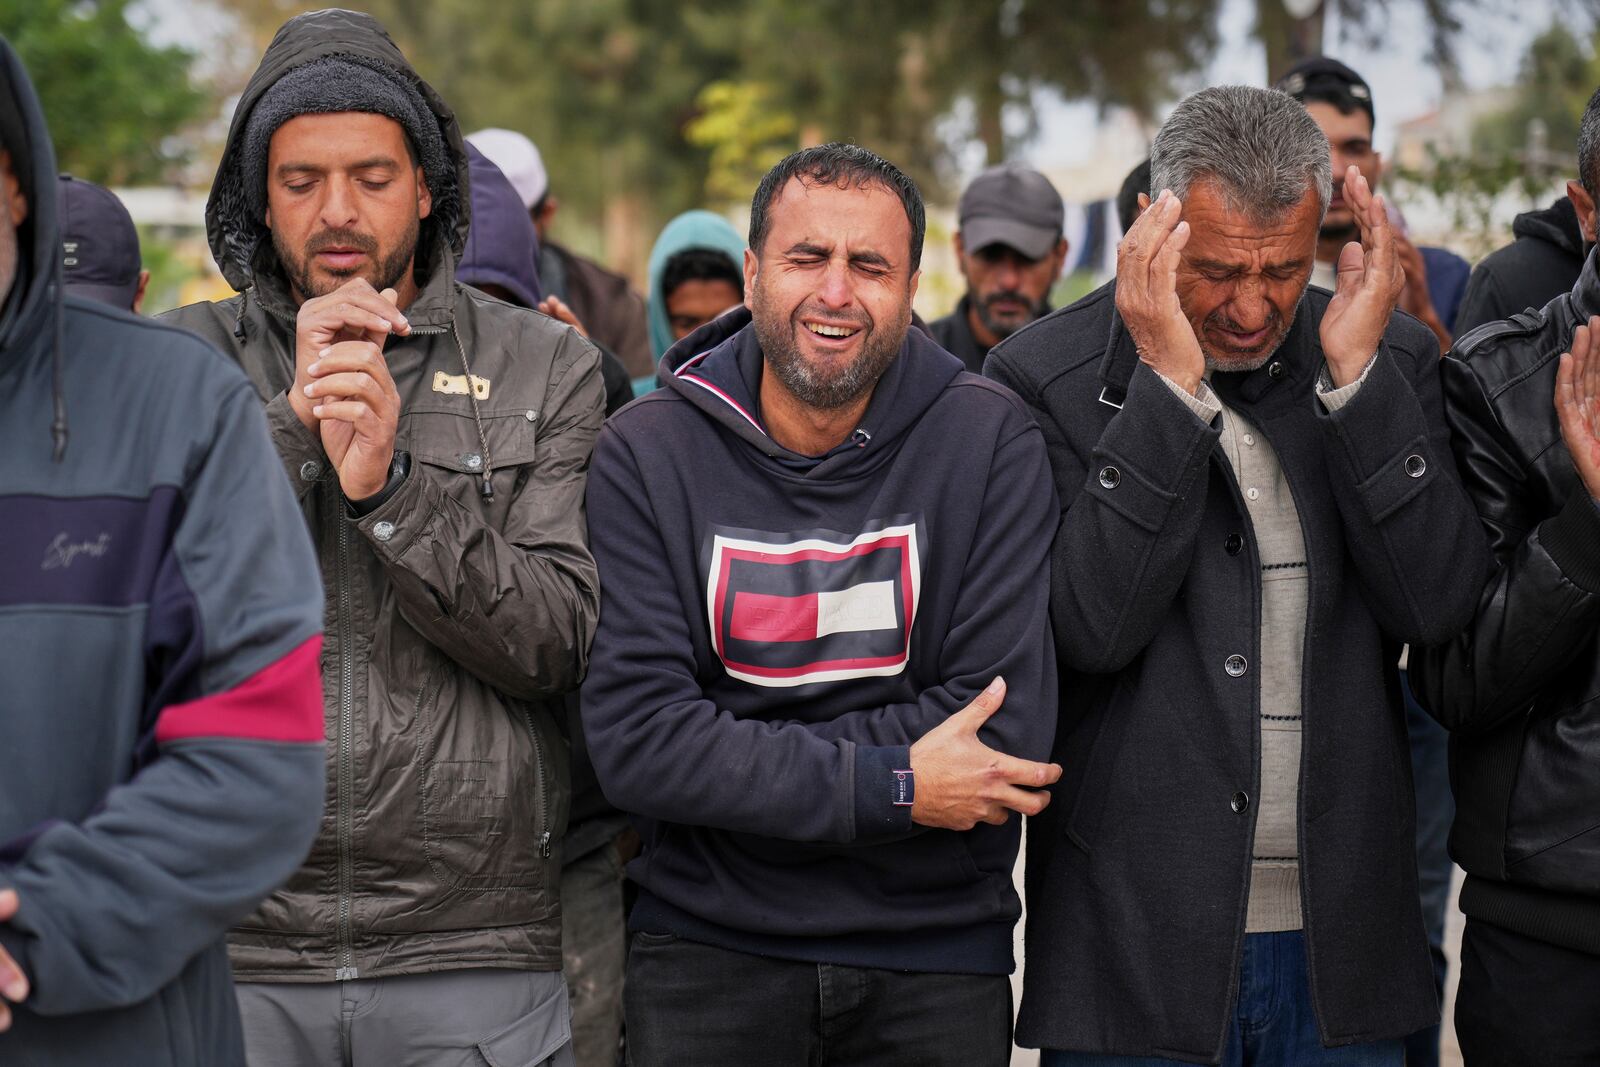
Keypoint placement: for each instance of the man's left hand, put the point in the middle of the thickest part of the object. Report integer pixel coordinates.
(1369, 285)
(358, 413)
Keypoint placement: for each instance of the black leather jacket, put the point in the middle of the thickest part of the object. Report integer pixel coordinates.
(1520, 688)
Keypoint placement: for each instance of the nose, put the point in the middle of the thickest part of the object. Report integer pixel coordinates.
(834, 290)
(1008, 274)
(1248, 308)
(338, 203)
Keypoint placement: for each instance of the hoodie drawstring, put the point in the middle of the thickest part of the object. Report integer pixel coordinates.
(487, 489)
(58, 389)
(238, 316)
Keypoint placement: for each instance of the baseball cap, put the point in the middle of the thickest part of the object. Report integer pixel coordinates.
(1012, 205)
(518, 159)
(1322, 78)
(99, 245)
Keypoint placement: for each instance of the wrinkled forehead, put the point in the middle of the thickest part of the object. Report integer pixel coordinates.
(1222, 230)
(337, 137)
(839, 217)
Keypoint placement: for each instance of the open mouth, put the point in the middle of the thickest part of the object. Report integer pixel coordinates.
(830, 332)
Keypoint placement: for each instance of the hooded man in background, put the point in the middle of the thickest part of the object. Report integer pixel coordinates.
(438, 440)
(696, 273)
(159, 632)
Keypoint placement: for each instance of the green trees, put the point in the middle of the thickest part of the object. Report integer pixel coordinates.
(115, 103)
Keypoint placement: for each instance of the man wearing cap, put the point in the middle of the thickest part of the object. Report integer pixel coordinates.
(1011, 251)
(438, 441)
(602, 300)
(99, 246)
(1341, 104)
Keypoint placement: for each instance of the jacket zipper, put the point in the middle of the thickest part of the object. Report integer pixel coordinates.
(544, 786)
(346, 970)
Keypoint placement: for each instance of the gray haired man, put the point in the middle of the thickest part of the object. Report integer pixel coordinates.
(1259, 506)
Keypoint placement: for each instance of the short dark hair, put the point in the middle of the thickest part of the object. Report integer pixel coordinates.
(844, 166)
(1137, 181)
(1589, 147)
(700, 264)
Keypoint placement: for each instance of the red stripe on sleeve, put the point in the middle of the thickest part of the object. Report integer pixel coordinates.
(280, 702)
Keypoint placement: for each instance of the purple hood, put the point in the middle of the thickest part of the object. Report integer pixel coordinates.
(502, 245)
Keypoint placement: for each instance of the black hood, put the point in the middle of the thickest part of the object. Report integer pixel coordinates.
(1556, 224)
(31, 316)
(29, 309)
(239, 241)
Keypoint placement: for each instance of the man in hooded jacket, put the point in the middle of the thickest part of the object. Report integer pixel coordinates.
(438, 441)
(159, 634)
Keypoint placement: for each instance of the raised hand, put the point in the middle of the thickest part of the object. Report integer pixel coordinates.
(961, 782)
(1578, 403)
(1369, 285)
(1147, 293)
(342, 386)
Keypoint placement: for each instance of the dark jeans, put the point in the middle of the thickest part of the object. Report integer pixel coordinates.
(1524, 1002)
(1436, 808)
(1273, 1024)
(594, 945)
(688, 1003)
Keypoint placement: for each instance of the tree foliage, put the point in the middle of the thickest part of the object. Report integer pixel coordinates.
(115, 103)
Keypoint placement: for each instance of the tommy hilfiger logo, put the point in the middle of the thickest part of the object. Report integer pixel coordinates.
(789, 609)
(60, 552)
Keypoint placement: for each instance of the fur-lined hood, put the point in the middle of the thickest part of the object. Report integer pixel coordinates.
(240, 243)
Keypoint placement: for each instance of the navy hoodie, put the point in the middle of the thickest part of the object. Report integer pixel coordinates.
(775, 632)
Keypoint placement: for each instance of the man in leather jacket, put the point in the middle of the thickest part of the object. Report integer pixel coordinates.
(1519, 688)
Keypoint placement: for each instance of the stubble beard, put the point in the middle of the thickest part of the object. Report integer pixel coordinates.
(811, 385)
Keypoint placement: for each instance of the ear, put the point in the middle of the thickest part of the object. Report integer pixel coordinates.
(916, 278)
(11, 189)
(138, 294)
(1144, 204)
(960, 245)
(1583, 203)
(1060, 258)
(752, 268)
(424, 196)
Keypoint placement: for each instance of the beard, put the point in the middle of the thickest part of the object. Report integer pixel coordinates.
(1233, 360)
(386, 271)
(825, 387)
(9, 250)
(1003, 326)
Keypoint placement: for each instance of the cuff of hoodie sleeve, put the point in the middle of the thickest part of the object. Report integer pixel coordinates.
(1572, 538)
(1334, 399)
(301, 449)
(877, 814)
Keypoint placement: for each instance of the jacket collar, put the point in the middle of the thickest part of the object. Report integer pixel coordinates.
(1297, 361)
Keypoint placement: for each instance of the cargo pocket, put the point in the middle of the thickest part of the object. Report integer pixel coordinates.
(541, 1038)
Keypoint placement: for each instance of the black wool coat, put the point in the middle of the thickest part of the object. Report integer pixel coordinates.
(1138, 872)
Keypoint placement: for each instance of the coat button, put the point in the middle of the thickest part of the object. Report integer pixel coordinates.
(1233, 545)
(472, 460)
(530, 415)
(1236, 666)
(1110, 477)
(310, 470)
(1275, 369)
(1240, 802)
(1416, 466)
(383, 530)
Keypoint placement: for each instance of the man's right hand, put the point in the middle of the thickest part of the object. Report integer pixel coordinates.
(1147, 293)
(13, 983)
(961, 782)
(353, 312)
(1578, 405)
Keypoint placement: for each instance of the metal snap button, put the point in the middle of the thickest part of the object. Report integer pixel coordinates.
(1240, 802)
(383, 530)
(472, 460)
(1275, 369)
(530, 415)
(1233, 545)
(310, 470)
(1416, 466)
(1110, 477)
(1236, 666)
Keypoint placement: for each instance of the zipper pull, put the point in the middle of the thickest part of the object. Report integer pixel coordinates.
(544, 845)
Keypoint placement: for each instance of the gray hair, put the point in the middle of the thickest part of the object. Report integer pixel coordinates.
(1589, 147)
(1258, 147)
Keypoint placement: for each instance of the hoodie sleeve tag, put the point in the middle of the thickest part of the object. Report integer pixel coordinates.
(905, 789)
